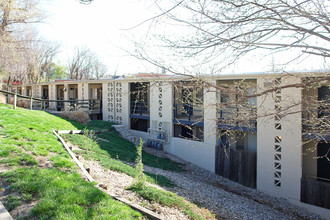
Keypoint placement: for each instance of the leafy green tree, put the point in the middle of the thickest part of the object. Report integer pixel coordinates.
(58, 72)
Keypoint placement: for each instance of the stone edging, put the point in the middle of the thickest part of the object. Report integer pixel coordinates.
(148, 213)
(4, 214)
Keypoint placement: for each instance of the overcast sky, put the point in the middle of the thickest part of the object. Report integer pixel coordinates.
(100, 27)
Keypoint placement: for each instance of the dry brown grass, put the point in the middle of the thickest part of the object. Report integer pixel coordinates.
(79, 116)
(64, 114)
(2, 98)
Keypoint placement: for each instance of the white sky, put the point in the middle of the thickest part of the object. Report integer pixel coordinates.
(99, 26)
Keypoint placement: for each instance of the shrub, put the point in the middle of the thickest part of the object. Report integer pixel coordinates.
(140, 178)
(2, 98)
(64, 114)
(79, 116)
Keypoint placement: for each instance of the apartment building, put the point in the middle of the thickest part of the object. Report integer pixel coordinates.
(268, 131)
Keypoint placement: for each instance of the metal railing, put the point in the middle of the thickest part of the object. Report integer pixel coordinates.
(187, 111)
(316, 120)
(139, 108)
(238, 118)
(92, 105)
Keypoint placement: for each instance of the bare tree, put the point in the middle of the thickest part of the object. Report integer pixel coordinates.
(99, 71)
(14, 12)
(219, 32)
(15, 17)
(85, 65)
(40, 57)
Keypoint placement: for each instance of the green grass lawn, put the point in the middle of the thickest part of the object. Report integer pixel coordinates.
(26, 136)
(111, 154)
(61, 193)
(64, 195)
(171, 200)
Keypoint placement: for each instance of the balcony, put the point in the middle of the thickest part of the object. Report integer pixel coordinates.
(315, 124)
(140, 110)
(188, 114)
(238, 118)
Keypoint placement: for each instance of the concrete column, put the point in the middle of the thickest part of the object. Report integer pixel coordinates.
(52, 96)
(210, 114)
(279, 137)
(122, 99)
(66, 96)
(79, 91)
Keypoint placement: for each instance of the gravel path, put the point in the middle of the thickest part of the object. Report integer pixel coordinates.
(118, 182)
(227, 199)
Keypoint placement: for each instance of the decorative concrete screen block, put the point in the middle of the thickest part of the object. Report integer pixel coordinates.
(279, 136)
(118, 102)
(110, 99)
(277, 161)
(278, 126)
(161, 98)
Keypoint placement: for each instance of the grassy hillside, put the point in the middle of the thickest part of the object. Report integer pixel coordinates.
(40, 171)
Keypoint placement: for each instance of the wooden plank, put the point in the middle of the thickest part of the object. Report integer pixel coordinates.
(220, 160)
(236, 165)
(226, 166)
(315, 192)
(243, 174)
(150, 214)
(81, 131)
(253, 169)
(80, 165)
(15, 101)
(216, 153)
(31, 103)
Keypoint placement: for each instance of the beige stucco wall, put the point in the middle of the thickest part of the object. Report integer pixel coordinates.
(210, 115)
(196, 152)
(290, 144)
(125, 106)
(37, 91)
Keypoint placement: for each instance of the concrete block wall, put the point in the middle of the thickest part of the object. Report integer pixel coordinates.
(161, 110)
(279, 138)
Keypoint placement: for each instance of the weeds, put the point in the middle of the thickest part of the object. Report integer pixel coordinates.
(140, 178)
(58, 194)
(13, 202)
(171, 200)
(122, 149)
(65, 196)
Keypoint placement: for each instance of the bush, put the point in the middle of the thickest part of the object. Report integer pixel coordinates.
(79, 116)
(2, 98)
